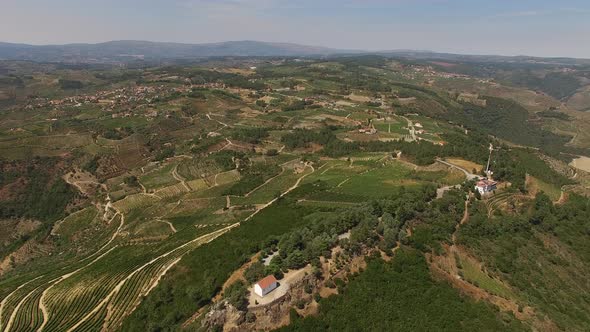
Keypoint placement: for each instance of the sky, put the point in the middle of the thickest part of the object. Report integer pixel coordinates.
(502, 27)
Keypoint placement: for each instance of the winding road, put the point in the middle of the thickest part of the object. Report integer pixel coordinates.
(468, 175)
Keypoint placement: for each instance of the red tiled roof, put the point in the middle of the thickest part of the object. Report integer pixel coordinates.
(485, 182)
(266, 281)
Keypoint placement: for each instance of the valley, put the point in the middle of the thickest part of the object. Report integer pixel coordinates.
(153, 198)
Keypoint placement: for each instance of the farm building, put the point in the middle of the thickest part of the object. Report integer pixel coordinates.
(485, 186)
(265, 285)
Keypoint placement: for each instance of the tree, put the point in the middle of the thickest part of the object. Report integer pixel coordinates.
(295, 260)
(254, 272)
(131, 181)
(236, 295)
(390, 237)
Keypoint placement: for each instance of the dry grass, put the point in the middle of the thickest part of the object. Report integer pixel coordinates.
(358, 98)
(582, 163)
(580, 101)
(468, 165)
(535, 185)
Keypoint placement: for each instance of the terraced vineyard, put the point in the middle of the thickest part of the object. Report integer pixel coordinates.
(99, 294)
(496, 201)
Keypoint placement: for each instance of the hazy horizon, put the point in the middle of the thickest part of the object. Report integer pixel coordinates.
(533, 28)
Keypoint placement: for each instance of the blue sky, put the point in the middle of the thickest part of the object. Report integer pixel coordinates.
(508, 27)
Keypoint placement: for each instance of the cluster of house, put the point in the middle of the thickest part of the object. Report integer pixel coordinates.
(210, 85)
(369, 130)
(119, 97)
(420, 129)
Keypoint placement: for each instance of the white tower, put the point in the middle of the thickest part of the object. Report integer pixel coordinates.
(488, 172)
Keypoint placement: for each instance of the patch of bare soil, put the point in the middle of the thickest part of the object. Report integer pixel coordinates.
(12, 229)
(444, 64)
(292, 277)
(263, 318)
(403, 182)
(85, 182)
(563, 198)
(236, 275)
(10, 191)
(466, 164)
(582, 163)
(248, 112)
(358, 98)
(312, 148)
(30, 250)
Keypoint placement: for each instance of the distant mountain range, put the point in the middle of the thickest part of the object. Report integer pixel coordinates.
(128, 49)
(131, 50)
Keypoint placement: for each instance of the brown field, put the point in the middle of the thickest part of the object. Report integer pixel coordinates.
(241, 71)
(358, 98)
(580, 101)
(581, 123)
(582, 163)
(535, 185)
(468, 165)
(443, 64)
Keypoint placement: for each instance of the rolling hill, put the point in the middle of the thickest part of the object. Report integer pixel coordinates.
(117, 50)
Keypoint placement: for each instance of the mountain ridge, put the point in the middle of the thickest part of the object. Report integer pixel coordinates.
(124, 50)
(155, 50)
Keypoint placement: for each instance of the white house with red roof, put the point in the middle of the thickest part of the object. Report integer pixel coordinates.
(485, 186)
(265, 285)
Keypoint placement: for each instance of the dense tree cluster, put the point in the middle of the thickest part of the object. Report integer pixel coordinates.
(377, 223)
(37, 189)
(296, 105)
(402, 296)
(508, 120)
(233, 80)
(513, 165)
(527, 250)
(70, 84)
(249, 135)
(237, 295)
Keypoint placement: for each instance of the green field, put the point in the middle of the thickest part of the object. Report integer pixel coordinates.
(160, 177)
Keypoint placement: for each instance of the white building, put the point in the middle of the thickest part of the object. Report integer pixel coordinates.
(265, 285)
(485, 186)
